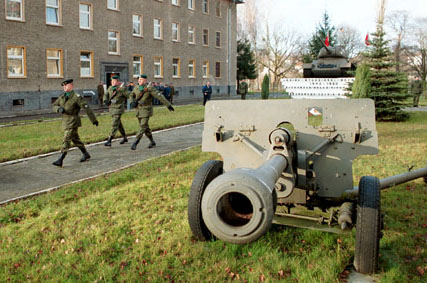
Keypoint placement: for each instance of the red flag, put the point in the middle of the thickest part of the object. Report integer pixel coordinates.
(367, 43)
(327, 40)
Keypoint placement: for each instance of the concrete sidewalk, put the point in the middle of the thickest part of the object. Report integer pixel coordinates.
(31, 176)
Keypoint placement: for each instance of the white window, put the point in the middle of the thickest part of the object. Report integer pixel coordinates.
(175, 32)
(113, 4)
(113, 42)
(54, 63)
(85, 16)
(205, 6)
(158, 29)
(218, 8)
(205, 37)
(191, 69)
(137, 25)
(16, 62)
(53, 12)
(158, 67)
(86, 64)
(175, 2)
(176, 73)
(191, 4)
(205, 69)
(15, 10)
(137, 66)
(191, 34)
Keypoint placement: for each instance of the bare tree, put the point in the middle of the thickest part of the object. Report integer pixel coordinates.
(350, 39)
(280, 53)
(397, 21)
(416, 53)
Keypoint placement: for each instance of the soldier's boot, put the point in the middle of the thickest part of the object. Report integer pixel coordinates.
(152, 142)
(85, 156)
(60, 160)
(135, 144)
(124, 139)
(108, 142)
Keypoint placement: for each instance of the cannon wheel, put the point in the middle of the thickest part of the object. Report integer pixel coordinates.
(206, 173)
(368, 225)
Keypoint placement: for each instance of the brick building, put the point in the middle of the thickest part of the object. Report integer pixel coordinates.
(184, 42)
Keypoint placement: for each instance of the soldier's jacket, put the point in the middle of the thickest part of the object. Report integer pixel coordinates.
(243, 88)
(416, 87)
(117, 98)
(72, 106)
(145, 100)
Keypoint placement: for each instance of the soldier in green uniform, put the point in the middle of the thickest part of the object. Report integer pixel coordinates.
(142, 99)
(416, 90)
(69, 105)
(243, 89)
(115, 98)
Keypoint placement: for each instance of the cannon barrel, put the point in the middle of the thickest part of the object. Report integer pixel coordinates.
(402, 178)
(238, 206)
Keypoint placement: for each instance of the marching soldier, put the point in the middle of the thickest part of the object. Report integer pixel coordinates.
(115, 98)
(142, 99)
(243, 89)
(69, 104)
(416, 90)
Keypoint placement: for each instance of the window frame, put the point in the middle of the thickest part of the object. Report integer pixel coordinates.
(117, 42)
(194, 35)
(22, 11)
(178, 32)
(178, 3)
(192, 76)
(218, 9)
(207, 69)
(207, 7)
(203, 37)
(192, 6)
(59, 14)
(90, 15)
(23, 63)
(216, 39)
(141, 27)
(61, 62)
(141, 67)
(178, 66)
(92, 73)
(161, 29)
(216, 70)
(117, 6)
(161, 67)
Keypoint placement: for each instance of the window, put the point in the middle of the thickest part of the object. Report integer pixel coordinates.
(176, 66)
(16, 62)
(175, 2)
(191, 33)
(192, 69)
(113, 42)
(137, 25)
(158, 29)
(205, 37)
(175, 32)
(54, 63)
(85, 16)
(158, 67)
(137, 66)
(86, 64)
(218, 39)
(218, 8)
(15, 10)
(218, 69)
(53, 12)
(205, 69)
(191, 4)
(113, 4)
(205, 6)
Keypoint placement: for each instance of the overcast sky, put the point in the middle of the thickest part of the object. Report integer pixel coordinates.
(305, 15)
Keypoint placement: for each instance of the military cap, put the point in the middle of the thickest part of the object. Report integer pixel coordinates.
(143, 76)
(115, 77)
(67, 82)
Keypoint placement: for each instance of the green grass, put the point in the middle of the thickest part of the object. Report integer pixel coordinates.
(33, 139)
(132, 226)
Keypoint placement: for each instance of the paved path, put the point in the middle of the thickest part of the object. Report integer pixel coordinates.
(29, 176)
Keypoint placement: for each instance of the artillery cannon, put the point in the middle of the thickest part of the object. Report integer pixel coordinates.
(289, 162)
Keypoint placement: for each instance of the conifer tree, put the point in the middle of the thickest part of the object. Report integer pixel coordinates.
(362, 82)
(318, 38)
(265, 87)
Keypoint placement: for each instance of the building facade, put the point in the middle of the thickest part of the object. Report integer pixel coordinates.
(184, 42)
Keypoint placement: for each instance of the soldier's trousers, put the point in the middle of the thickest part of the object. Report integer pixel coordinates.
(416, 99)
(71, 135)
(144, 128)
(117, 125)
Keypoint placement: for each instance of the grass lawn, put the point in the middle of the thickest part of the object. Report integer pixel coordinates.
(132, 226)
(33, 139)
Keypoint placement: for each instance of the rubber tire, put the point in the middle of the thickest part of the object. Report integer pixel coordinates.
(368, 225)
(206, 173)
